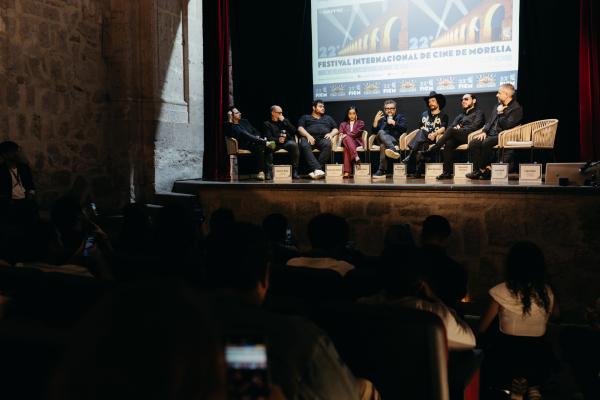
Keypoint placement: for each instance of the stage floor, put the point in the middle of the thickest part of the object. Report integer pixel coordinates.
(192, 186)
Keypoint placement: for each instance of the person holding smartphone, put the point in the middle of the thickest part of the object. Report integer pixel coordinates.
(388, 125)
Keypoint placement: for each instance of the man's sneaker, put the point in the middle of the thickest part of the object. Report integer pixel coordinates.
(474, 175)
(317, 174)
(380, 174)
(392, 153)
(445, 175)
(260, 176)
(486, 175)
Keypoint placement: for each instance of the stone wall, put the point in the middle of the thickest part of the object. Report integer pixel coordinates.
(53, 95)
(484, 224)
(109, 90)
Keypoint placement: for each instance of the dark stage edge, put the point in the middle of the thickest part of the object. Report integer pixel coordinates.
(193, 185)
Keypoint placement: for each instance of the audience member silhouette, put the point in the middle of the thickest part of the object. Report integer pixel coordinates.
(17, 190)
(237, 266)
(328, 235)
(523, 304)
(155, 340)
(448, 279)
(280, 242)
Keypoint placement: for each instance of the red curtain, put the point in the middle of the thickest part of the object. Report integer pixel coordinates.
(217, 87)
(589, 81)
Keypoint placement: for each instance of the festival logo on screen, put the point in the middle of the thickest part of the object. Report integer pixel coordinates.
(375, 26)
(408, 86)
(371, 88)
(338, 90)
(486, 81)
(445, 83)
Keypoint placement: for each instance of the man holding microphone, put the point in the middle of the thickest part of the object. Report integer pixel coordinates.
(280, 130)
(388, 125)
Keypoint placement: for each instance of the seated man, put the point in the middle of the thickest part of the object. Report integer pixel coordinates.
(316, 129)
(17, 191)
(328, 235)
(433, 124)
(388, 131)
(279, 130)
(506, 115)
(301, 358)
(249, 138)
(469, 120)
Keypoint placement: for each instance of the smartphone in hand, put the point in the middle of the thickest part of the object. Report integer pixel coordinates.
(247, 373)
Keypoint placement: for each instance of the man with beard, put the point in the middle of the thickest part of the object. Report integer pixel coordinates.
(433, 124)
(470, 120)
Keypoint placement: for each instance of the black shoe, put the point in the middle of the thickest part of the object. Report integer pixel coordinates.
(295, 175)
(474, 175)
(406, 159)
(486, 175)
(417, 175)
(445, 175)
(379, 174)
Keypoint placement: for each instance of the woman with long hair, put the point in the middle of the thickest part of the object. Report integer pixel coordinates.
(523, 303)
(351, 130)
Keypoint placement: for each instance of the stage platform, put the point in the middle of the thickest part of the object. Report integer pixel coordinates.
(485, 218)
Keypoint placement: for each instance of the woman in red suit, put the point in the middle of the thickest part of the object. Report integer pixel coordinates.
(351, 131)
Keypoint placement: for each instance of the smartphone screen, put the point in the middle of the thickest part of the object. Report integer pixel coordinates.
(89, 243)
(247, 374)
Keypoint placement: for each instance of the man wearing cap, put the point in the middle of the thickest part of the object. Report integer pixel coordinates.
(433, 124)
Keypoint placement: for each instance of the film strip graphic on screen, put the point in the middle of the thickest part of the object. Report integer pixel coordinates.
(395, 48)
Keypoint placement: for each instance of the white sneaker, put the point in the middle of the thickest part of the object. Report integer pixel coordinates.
(260, 176)
(317, 174)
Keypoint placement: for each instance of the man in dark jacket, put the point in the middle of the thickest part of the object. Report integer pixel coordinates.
(17, 191)
(281, 131)
(388, 125)
(506, 115)
(468, 121)
(249, 138)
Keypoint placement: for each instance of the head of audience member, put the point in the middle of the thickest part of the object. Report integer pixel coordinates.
(276, 113)
(407, 280)
(526, 275)
(351, 114)
(506, 92)
(156, 341)
(328, 234)
(10, 153)
(136, 227)
(237, 261)
(234, 115)
(275, 226)
(174, 236)
(389, 107)
(436, 231)
(468, 101)
(68, 219)
(220, 221)
(318, 108)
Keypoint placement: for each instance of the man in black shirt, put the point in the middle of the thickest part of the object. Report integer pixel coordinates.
(316, 129)
(506, 115)
(17, 191)
(433, 124)
(249, 138)
(282, 132)
(470, 120)
(388, 125)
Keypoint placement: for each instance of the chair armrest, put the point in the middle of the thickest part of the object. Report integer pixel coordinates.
(232, 145)
(545, 135)
(515, 134)
(473, 134)
(405, 139)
